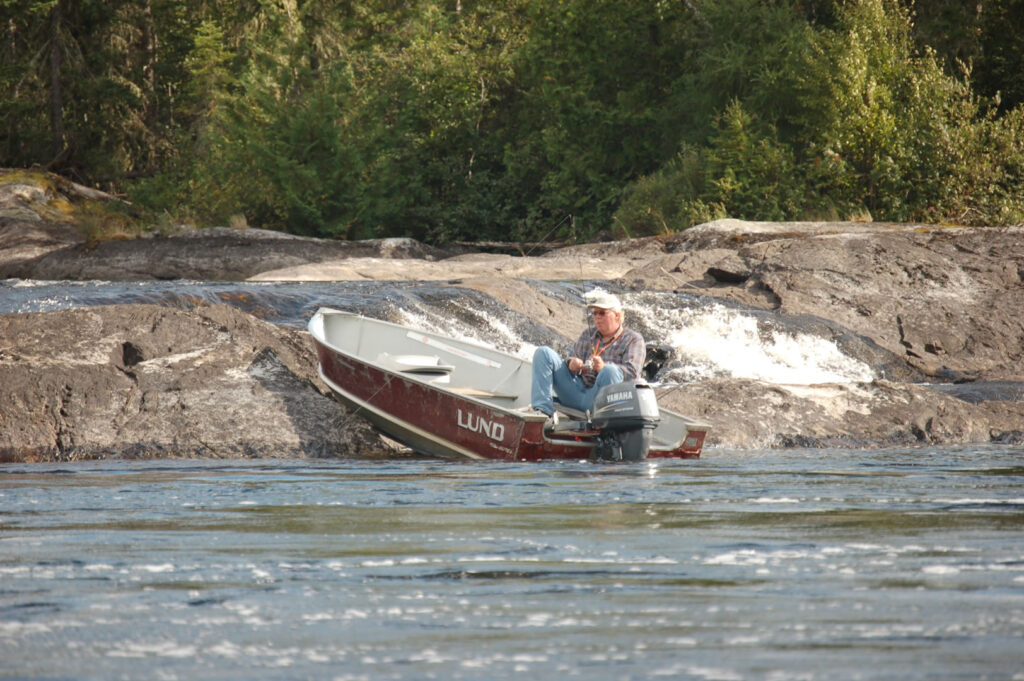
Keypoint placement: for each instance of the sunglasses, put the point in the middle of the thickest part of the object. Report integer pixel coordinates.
(601, 313)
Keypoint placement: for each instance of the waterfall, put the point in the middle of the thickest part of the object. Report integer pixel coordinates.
(708, 339)
(712, 340)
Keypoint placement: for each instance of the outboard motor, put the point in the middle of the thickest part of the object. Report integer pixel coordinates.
(625, 414)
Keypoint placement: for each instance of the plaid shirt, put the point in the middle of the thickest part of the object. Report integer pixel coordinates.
(628, 351)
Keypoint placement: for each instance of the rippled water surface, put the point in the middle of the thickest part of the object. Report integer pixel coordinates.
(775, 565)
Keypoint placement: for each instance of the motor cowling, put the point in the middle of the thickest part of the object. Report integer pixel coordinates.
(625, 416)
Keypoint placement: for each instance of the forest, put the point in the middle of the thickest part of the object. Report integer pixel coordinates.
(522, 120)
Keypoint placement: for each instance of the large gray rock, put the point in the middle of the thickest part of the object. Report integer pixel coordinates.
(937, 309)
(148, 381)
(211, 254)
(949, 300)
(41, 237)
(23, 242)
(747, 414)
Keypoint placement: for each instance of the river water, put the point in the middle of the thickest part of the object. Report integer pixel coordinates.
(808, 565)
(795, 564)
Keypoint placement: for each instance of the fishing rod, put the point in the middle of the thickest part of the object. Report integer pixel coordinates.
(572, 223)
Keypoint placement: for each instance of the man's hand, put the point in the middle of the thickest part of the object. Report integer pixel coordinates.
(576, 364)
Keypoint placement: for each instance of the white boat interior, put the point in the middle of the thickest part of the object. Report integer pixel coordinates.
(469, 369)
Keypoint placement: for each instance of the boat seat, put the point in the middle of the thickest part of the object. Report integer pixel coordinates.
(574, 414)
(568, 427)
(419, 365)
(483, 394)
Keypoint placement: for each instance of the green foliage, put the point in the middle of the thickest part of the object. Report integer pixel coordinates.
(207, 64)
(434, 169)
(468, 119)
(984, 35)
(869, 124)
(363, 144)
(1000, 58)
(893, 133)
(744, 172)
(272, 140)
(666, 200)
(596, 107)
(746, 51)
(749, 170)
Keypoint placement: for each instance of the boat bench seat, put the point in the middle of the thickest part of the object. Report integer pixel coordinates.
(571, 427)
(421, 365)
(483, 394)
(430, 368)
(574, 414)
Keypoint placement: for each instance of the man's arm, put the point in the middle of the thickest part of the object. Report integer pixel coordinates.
(631, 355)
(582, 350)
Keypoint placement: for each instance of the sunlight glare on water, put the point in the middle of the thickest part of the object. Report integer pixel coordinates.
(825, 564)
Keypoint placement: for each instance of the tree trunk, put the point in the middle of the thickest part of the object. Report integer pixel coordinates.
(11, 46)
(150, 46)
(56, 88)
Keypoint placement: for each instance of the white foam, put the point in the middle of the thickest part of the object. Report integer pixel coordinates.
(982, 501)
(680, 670)
(719, 341)
(17, 570)
(941, 570)
(682, 642)
(449, 325)
(135, 649)
(737, 558)
(14, 629)
(156, 569)
(713, 341)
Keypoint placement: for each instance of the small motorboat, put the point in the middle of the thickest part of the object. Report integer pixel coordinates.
(457, 399)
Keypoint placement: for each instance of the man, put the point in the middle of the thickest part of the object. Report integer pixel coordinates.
(604, 354)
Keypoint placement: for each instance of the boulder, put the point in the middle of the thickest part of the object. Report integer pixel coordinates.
(934, 310)
(43, 235)
(746, 414)
(210, 254)
(150, 381)
(23, 242)
(949, 300)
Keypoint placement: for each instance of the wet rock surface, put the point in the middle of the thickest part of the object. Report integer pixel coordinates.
(947, 299)
(212, 254)
(149, 381)
(935, 311)
(749, 414)
(43, 236)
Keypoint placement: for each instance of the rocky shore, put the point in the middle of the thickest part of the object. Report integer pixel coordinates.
(148, 381)
(939, 308)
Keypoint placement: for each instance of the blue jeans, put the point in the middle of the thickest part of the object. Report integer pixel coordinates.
(551, 374)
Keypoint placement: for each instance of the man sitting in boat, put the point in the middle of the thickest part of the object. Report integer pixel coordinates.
(606, 353)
